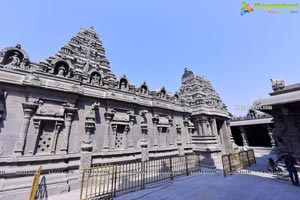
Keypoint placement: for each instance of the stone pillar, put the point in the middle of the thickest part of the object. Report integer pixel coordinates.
(213, 125)
(235, 147)
(29, 109)
(270, 133)
(130, 134)
(203, 128)
(69, 113)
(159, 129)
(155, 122)
(113, 135)
(58, 126)
(86, 145)
(229, 131)
(187, 133)
(108, 117)
(144, 150)
(244, 136)
(208, 128)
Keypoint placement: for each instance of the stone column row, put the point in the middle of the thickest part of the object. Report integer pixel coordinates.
(245, 138)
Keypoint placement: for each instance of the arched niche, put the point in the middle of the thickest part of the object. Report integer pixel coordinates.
(61, 68)
(95, 78)
(143, 88)
(123, 83)
(176, 97)
(163, 93)
(15, 56)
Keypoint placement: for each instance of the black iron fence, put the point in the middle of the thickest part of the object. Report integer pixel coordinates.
(106, 180)
(235, 162)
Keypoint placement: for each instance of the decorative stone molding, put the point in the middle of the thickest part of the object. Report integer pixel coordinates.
(32, 80)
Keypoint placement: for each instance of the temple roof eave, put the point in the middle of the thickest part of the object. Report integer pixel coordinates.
(277, 100)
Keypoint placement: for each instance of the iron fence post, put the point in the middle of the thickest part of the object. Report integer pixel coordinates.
(114, 180)
(143, 174)
(186, 165)
(171, 170)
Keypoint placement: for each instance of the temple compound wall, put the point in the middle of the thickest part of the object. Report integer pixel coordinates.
(69, 112)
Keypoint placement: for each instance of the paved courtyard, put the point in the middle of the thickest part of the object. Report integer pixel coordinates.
(252, 185)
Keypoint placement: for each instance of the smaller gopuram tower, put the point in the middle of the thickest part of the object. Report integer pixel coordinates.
(212, 136)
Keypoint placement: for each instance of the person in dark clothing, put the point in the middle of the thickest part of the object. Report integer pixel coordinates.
(290, 162)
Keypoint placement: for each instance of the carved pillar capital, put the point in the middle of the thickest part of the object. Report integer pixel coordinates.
(114, 127)
(155, 120)
(185, 123)
(132, 118)
(69, 113)
(28, 109)
(159, 129)
(108, 116)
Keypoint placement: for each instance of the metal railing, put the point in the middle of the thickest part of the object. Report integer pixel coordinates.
(235, 162)
(106, 180)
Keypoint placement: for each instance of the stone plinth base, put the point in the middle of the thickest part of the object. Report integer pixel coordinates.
(209, 159)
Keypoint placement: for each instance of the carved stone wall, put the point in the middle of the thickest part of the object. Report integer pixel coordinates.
(70, 112)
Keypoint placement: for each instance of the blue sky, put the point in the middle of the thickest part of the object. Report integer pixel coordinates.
(155, 40)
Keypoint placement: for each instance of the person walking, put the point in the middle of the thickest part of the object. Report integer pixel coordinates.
(290, 162)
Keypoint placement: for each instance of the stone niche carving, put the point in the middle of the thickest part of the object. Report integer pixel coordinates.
(95, 78)
(123, 83)
(48, 122)
(15, 57)
(176, 98)
(163, 93)
(61, 68)
(143, 89)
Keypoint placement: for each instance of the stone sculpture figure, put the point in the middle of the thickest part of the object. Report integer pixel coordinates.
(14, 60)
(61, 71)
(277, 84)
(123, 85)
(143, 90)
(95, 79)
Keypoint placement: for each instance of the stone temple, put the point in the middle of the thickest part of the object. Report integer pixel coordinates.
(70, 111)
